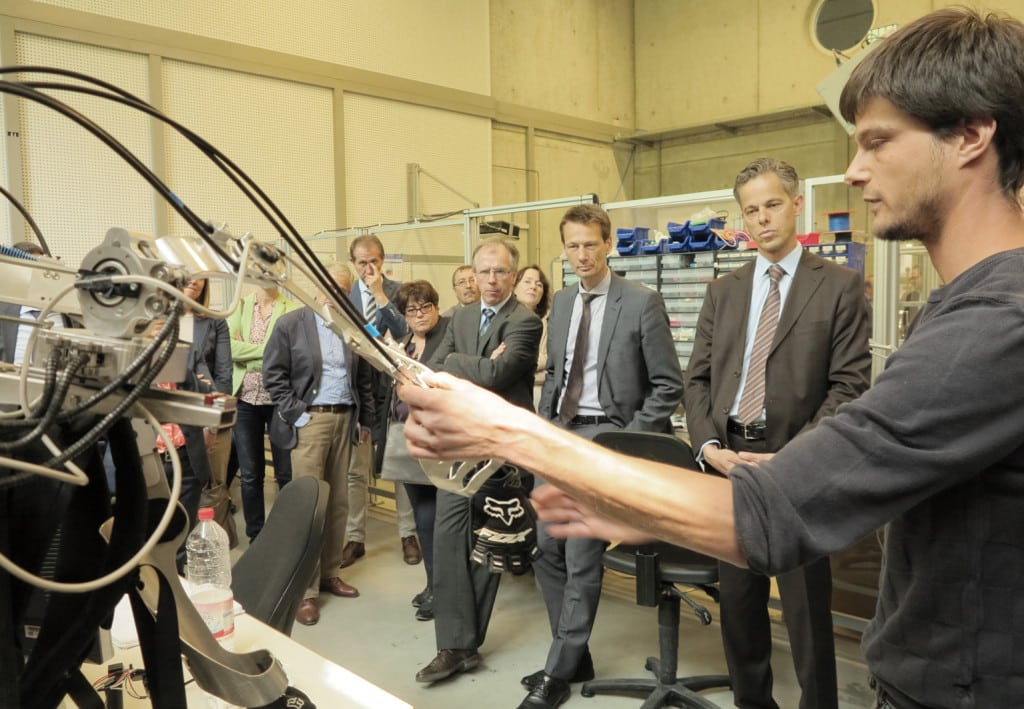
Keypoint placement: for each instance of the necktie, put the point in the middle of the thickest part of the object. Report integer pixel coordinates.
(370, 310)
(486, 315)
(752, 401)
(574, 382)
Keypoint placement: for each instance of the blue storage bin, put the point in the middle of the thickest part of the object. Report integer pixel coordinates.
(655, 247)
(678, 232)
(629, 248)
(701, 236)
(636, 233)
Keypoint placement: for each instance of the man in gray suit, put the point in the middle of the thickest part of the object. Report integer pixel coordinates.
(374, 296)
(753, 383)
(464, 592)
(323, 405)
(629, 378)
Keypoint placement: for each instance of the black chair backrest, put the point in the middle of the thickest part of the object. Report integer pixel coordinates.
(654, 564)
(659, 447)
(271, 576)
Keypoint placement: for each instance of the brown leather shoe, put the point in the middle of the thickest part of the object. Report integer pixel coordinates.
(351, 552)
(448, 663)
(335, 586)
(308, 613)
(411, 550)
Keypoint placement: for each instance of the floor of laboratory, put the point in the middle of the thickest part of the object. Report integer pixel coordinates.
(378, 637)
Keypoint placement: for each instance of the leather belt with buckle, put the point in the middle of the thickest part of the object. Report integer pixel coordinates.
(329, 408)
(749, 432)
(589, 420)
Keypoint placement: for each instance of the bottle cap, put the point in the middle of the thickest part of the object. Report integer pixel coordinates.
(205, 513)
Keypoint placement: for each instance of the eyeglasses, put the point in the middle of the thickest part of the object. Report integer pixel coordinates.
(424, 309)
(499, 273)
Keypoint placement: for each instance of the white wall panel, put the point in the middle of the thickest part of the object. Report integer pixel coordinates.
(444, 42)
(75, 187)
(382, 137)
(278, 132)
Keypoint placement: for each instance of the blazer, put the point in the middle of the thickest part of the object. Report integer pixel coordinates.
(245, 356)
(292, 368)
(388, 318)
(209, 355)
(465, 353)
(639, 382)
(818, 359)
(434, 339)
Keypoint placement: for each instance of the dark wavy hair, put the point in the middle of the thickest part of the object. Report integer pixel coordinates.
(948, 67)
(415, 291)
(545, 298)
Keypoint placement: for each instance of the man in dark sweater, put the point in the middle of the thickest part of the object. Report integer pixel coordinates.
(935, 448)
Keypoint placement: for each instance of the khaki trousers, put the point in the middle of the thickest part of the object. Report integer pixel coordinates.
(323, 450)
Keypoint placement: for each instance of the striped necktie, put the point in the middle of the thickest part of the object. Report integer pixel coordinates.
(574, 382)
(752, 401)
(370, 308)
(486, 315)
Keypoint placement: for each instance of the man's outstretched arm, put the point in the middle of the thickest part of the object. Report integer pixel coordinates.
(609, 495)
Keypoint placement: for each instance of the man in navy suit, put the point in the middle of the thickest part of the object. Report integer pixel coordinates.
(323, 405)
(374, 297)
(629, 379)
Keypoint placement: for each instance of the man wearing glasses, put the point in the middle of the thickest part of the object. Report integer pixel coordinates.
(464, 592)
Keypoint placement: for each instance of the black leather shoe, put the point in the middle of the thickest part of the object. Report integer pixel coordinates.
(448, 663)
(418, 599)
(584, 673)
(549, 693)
(426, 609)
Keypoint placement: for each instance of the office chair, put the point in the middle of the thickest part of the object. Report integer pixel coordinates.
(271, 576)
(657, 569)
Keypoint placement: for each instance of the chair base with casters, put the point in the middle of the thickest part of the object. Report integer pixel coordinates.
(657, 569)
(672, 565)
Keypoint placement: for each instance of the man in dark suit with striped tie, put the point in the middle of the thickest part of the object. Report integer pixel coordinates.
(780, 343)
(373, 296)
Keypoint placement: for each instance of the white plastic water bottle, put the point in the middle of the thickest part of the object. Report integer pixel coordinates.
(208, 570)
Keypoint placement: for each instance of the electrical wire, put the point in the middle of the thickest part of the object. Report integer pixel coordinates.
(34, 92)
(128, 566)
(263, 203)
(19, 89)
(28, 219)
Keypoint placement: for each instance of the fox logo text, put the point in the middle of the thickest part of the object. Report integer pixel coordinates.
(506, 510)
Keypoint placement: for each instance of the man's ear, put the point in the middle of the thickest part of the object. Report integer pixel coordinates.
(976, 136)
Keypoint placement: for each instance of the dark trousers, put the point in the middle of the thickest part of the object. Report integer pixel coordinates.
(806, 596)
(464, 592)
(251, 424)
(570, 574)
(424, 510)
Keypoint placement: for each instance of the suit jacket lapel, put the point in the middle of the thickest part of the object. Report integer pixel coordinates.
(558, 329)
(612, 308)
(741, 311)
(313, 338)
(806, 280)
